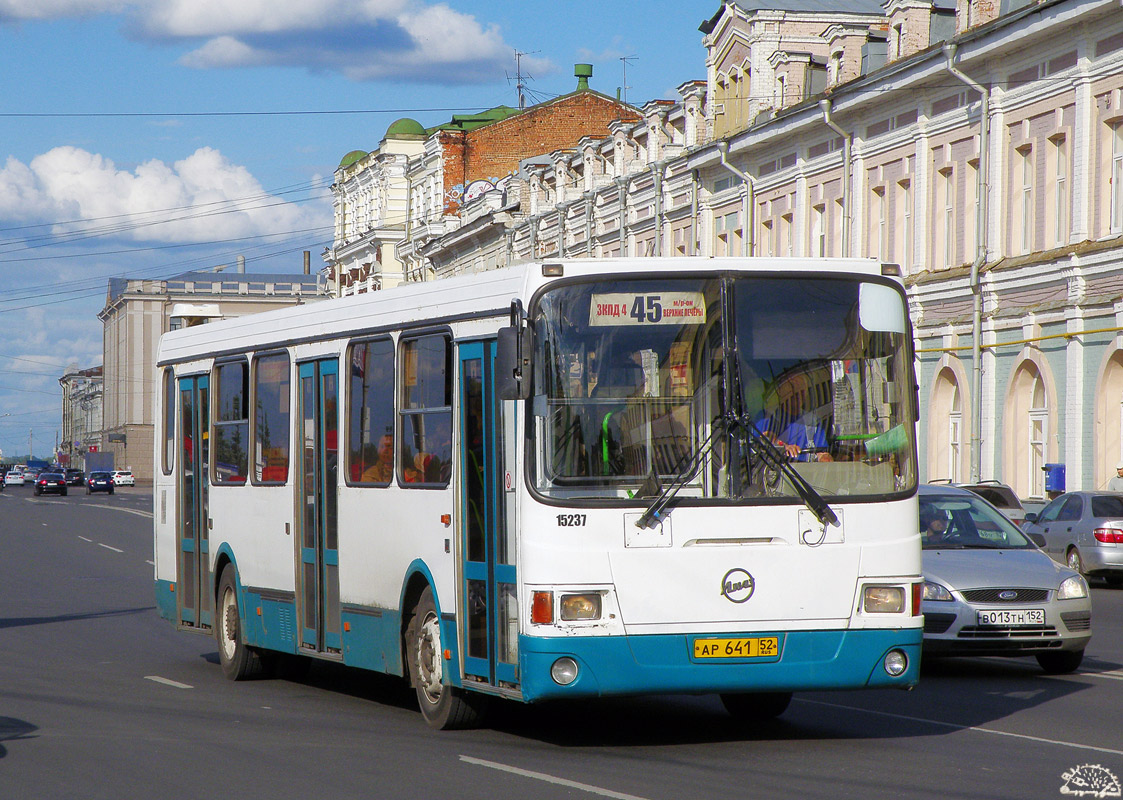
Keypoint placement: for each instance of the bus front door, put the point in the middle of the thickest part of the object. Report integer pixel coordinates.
(317, 538)
(194, 597)
(489, 626)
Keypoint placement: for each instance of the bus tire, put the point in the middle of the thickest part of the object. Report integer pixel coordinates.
(756, 706)
(239, 661)
(444, 707)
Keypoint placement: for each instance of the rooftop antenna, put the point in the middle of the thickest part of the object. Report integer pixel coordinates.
(624, 80)
(520, 84)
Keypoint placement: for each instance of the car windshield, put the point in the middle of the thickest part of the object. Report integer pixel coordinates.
(961, 521)
(648, 382)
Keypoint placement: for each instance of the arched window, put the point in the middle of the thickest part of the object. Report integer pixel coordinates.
(948, 429)
(1030, 424)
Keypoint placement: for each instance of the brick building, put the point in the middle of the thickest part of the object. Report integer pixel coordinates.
(390, 203)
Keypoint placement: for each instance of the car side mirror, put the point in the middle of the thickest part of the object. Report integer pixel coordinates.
(1031, 516)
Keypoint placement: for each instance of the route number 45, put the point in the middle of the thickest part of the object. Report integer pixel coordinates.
(649, 308)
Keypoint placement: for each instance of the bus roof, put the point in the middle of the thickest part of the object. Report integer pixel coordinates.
(446, 300)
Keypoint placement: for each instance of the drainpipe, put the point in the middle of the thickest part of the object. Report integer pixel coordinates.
(657, 187)
(622, 199)
(561, 229)
(977, 264)
(589, 207)
(847, 139)
(749, 199)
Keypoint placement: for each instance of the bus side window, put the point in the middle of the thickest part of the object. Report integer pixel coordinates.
(425, 449)
(231, 424)
(370, 403)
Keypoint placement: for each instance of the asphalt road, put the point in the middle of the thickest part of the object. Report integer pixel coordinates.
(99, 698)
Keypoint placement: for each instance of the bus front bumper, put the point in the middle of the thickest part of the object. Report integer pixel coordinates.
(666, 664)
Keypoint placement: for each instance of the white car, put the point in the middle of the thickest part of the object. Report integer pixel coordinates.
(13, 478)
(123, 477)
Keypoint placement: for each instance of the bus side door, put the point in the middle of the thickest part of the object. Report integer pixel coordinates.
(192, 525)
(489, 626)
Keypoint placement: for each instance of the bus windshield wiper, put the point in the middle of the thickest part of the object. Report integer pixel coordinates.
(686, 467)
(772, 456)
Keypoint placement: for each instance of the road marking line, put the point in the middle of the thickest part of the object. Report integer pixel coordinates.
(119, 508)
(541, 776)
(976, 728)
(84, 539)
(107, 547)
(168, 682)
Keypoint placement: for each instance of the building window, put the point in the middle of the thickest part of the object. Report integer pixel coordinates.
(425, 448)
(271, 418)
(819, 231)
(232, 423)
(1060, 190)
(1025, 197)
(879, 226)
(727, 230)
(1117, 177)
(787, 238)
(904, 252)
(945, 208)
(766, 238)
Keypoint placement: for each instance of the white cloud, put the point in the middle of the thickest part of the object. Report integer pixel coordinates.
(201, 198)
(361, 39)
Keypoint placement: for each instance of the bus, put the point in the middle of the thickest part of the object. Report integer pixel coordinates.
(568, 479)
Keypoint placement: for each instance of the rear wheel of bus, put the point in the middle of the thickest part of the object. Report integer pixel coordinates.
(444, 707)
(239, 661)
(756, 706)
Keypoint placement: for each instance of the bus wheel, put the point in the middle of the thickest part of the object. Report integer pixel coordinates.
(238, 660)
(757, 706)
(444, 707)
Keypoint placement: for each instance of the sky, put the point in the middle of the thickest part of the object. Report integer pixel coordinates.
(146, 138)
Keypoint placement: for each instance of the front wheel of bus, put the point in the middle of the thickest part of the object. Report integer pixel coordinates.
(238, 660)
(444, 707)
(756, 706)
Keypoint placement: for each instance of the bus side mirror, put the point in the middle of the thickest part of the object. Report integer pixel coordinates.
(513, 363)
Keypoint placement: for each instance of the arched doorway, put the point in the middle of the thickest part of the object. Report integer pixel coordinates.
(948, 426)
(1029, 428)
(1108, 438)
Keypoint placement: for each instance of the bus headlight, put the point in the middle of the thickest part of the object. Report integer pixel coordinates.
(580, 606)
(564, 671)
(883, 599)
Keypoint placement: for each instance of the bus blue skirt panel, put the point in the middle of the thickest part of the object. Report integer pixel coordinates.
(649, 664)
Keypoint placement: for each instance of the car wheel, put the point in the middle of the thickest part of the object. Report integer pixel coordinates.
(1059, 662)
(63, 492)
(1114, 580)
(111, 490)
(752, 707)
(444, 707)
(1074, 561)
(239, 660)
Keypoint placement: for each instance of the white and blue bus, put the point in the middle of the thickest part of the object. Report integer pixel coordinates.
(558, 480)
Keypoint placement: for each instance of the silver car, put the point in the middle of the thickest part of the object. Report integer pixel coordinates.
(1083, 530)
(989, 591)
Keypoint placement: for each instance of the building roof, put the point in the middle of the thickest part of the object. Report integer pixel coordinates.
(229, 281)
(871, 7)
(406, 127)
(352, 157)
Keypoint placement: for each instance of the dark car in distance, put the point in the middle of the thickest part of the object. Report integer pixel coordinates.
(50, 482)
(75, 477)
(99, 482)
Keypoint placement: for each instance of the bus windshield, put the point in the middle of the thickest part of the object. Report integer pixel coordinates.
(641, 382)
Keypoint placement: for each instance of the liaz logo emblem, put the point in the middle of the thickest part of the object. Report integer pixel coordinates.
(737, 586)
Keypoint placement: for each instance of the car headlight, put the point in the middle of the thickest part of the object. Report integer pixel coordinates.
(580, 606)
(1073, 588)
(933, 591)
